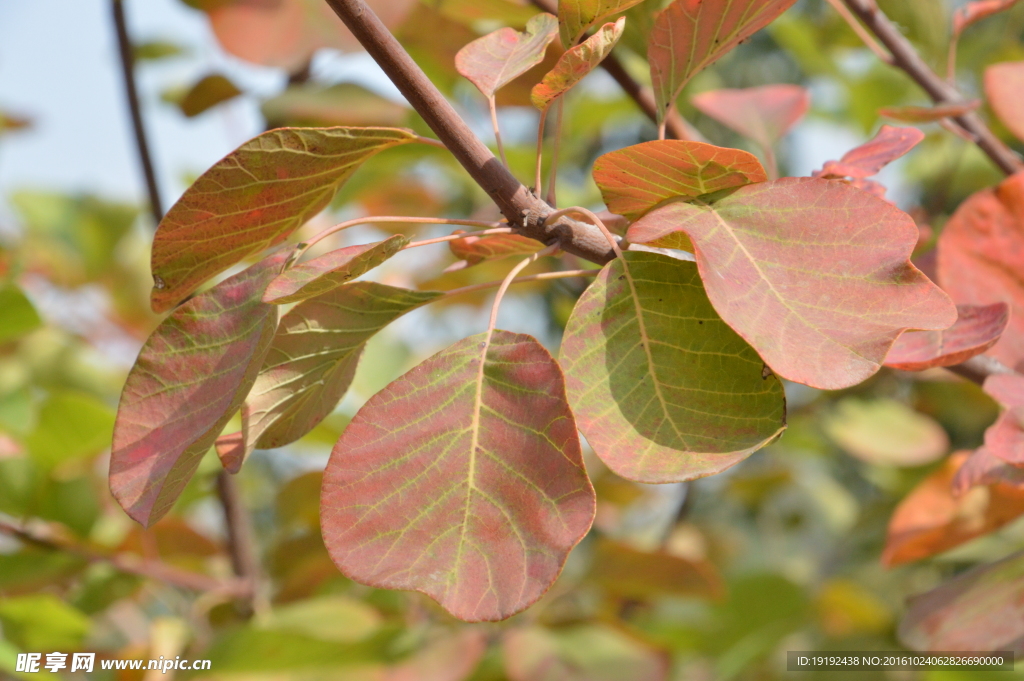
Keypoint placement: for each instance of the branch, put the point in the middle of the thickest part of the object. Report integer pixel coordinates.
(124, 46)
(978, 368)
(525, 211)
(241, 542)
(906, 58)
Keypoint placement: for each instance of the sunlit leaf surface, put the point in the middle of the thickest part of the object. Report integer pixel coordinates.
(575, 64)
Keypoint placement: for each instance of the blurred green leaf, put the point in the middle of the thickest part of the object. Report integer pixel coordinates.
(43, 622)
(330, 618)
(72, 502)
(17, 315)
(207, 93)
(342, 104)
(886, 432)
(71, 426)
(154, 50)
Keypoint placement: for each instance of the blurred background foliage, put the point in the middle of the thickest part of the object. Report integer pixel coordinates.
(715, 580)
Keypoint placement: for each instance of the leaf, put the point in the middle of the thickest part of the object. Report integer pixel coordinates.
(576, 17)
(330, 618)
(71, 426)
(588, 652)
(1005, 438)
(886, 432)
(981, 257)
(929, 114)
(346, 104)
(575, 64)
(690, 35)
(498, 58)
(463, 479)
(43, 622)
(231, 451)
(977, 328)
(815, 274)
(931, 520)
(328, 272)
(474, 250)
(974, 12)
(1006, 389)
(630, 573)
(254, 198)
(868, 159)
(984, 468)
(662, 388)
(451, 658)
(286, 33)
(764, 114)
(1004, 87)
(313, 358)
(979, 610)
(154, 50)
(207, 93)
(636, 179)
(190, 378)
(18, 316)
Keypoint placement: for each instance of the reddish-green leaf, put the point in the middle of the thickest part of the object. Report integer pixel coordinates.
(976, 11)
(636, 179)
(868, 159)
(764, 114)
(977, 329)
(931, 520)
(314, 356)
(928, 114)
(190, 378)
(1004, 86)
(587, 652)
(474, 250)
(981, 610)
(463, 479)
(231, 451)
(500, 57)
(886, 432)
(981, 257)
(575, 64)
(690, 35)
(627, 572)
(815, 274)
(575, 17)
(329, 271)
(662, 388)
(984, 468)
(254, 198)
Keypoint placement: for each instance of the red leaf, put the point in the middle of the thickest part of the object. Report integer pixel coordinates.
(463, 479)
(635, 179)
(868, 159)
(769, 255)
(979, 610)
(474, 250)
(452, 658)
(1006, 389)
(977, 329)
(190, 378)
(328, 272)
(981, 258)
(231, 451)
(973, 12)
(576, 17)
(931, 520)
(1005, 437)
(253, 198)
(763, 114)
(929, 114)
(500, 57)
(1004, 86)
(983, 468)
(575, 64)
(690, 35)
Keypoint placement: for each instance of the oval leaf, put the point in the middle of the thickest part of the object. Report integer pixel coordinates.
(190, 378)
(474, 250)
(500, 57)
(256, 197)
(662, 388)
(981, 610)
(576, 17)
(589, 652)
(231, 451)
(1006, 389)
(328, 272)
(764, 114)
(314, 357)
(1004, 86)
(636, 179)
(690, 35)
(977, 329)
(868, 159)
(981, 257)
(463, 479)
(575, 64)
(1005, 437)
(886, 432)
(984, 468)
(771, 255)
(976, 11)
(207, 93)
(929, 114)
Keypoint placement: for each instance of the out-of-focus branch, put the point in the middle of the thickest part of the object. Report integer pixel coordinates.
(240, 537)
(906, 58)
(977, 369)
(127, 57)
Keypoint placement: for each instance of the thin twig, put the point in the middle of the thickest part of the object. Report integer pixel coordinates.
(431, 141)
(507, 281)
(240, 538)
(493, 105)
(978, 368)
(553, 171)
(538, 181)
(544, 276)
(865, 37)
(457, 237)
(385, 219)
(906, 58)
(126, 52)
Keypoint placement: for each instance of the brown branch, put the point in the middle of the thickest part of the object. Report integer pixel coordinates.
(124, 46)
(240, 538)
(906, 58)
(525, 211)
(977, 369)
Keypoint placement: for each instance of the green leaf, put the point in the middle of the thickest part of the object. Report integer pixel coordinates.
(577, 16)
(314, 356)
(328, 272)
(190, 378)
(43, 622)
(71, 426)
(329, 618)
(17, 314)
(463, 479)
(662, 388)
(575, 64)
(886, 432)
(342, 104)
(207, 93)
(589, 652)
(255, 198)
(154, 50)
